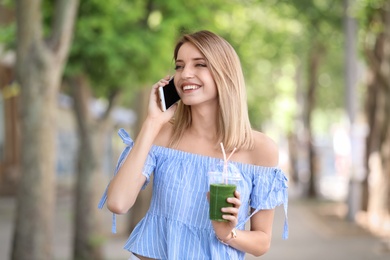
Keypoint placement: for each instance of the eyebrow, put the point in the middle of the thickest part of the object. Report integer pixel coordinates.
(194, 59)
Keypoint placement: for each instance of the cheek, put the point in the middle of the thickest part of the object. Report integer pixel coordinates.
(214, 89)
(216, 92)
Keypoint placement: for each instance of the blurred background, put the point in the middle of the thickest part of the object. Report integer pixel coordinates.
(73, 72)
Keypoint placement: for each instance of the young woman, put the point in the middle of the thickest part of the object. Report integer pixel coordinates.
(179, 146)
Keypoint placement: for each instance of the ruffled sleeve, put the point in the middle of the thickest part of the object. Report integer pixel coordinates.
(270, 190)
(147, 170)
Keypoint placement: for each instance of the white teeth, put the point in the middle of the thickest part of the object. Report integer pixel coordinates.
(190, 87)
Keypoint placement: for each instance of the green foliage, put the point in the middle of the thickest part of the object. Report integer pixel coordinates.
(7, 31)
(273, 39)
(262, 39)
(368, 13)
(104, 45)
(7, 3)
(8, 35)
(123, 44)
(128, 44)
(320, 25)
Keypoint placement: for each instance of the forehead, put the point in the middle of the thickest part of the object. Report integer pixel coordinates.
(188, 52)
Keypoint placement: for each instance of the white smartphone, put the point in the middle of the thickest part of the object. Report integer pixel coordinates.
(168, 95)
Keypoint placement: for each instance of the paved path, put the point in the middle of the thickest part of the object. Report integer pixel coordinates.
(315, 234)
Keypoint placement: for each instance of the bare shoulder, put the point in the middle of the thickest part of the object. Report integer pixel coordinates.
(265, 152)
(164, 135)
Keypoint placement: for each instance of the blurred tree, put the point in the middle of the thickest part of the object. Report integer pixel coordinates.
(119, 47)
(375, 21)
(291, 55)
(266, 39)
(39, 66)
(321, 25)
(264, 50)
(299, 48)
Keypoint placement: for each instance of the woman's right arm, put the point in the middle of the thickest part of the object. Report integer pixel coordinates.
(127, 183)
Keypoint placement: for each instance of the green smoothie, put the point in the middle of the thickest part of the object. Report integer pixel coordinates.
(218, 195)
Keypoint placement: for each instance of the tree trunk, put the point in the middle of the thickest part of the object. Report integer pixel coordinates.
(371, 142)
(315, 57)
(39, 68)
(86, 226)
(385, 71)
(378, 113)
(34, 217)
(297, 139)
(293, 158)
(92, 132)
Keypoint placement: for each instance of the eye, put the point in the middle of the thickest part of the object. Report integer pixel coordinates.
(178, 67)
(201, 65)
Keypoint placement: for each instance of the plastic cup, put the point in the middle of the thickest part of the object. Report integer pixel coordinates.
(218, 195)
(222, 186)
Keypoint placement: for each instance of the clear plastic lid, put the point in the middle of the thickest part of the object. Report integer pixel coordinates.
(222, 173)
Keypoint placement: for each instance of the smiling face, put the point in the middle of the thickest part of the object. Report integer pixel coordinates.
(193, 79)
(210, 71)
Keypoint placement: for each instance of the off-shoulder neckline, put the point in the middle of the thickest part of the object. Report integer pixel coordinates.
(206, 157)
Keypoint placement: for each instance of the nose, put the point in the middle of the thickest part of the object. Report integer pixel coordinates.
(187, 72)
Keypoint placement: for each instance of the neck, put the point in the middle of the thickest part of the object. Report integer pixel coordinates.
(204, 123)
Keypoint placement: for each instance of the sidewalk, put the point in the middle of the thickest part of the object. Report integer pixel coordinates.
(315, 234)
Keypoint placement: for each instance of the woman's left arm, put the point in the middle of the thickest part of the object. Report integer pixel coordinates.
(257, 240)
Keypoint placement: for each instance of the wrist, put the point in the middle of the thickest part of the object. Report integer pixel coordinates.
(152, 125)
(232, 236)
(148, 132)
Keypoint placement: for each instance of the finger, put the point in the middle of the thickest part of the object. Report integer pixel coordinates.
(231, 218)
(235, 201)
(230, 210)
(164, 81)
(161, 83)
(173, 108)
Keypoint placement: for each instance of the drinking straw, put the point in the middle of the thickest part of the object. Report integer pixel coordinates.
(225, 164)
(223, 152)
(235, 148)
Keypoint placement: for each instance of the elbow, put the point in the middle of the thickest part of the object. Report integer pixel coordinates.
(117, 207)
(118, 202)
(262, 250)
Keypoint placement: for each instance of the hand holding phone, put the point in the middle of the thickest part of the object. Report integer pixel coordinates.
(168, 95)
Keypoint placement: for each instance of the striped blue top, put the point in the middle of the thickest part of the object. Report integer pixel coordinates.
(177, 224)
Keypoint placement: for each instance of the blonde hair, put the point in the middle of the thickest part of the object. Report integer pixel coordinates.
(233, 126)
